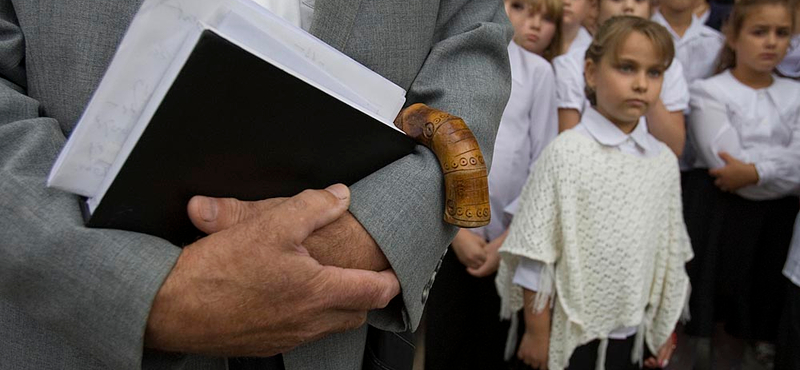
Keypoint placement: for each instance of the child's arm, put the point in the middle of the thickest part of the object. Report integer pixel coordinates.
(535, 344)
(669, 127)
(469, 248)
(568, 118)
(664, 354)
(492, 261)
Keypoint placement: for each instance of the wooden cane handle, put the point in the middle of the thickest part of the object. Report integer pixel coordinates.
(465, 176)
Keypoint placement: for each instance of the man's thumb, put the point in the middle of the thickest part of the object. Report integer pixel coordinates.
(212, 215)
(726, 157)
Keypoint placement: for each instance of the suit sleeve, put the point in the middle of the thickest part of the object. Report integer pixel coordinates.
(92, 287)
(466, 74)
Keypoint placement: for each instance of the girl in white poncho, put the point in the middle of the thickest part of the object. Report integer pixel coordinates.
(599, 237)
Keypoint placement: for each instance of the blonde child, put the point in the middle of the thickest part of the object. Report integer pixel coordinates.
(597, 249)
(664, 119)
(528, 124)
(742, 197)
(463, 330)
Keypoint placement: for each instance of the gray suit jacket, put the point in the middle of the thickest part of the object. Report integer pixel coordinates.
(73, 297)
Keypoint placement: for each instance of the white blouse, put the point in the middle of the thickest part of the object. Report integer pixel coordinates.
(582, 40)
(529, 123)
(755, 126)
(570, 84)
(639, 143)
(698, 49)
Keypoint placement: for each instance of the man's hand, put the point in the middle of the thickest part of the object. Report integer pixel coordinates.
(469, 248)
(735, 175)
(252, 289)
(342, 243)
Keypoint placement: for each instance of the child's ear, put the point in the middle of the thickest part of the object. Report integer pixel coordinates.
(589, 73)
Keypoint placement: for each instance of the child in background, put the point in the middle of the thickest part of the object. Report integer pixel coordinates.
(790, 66)
(745, 127)
(463, 329)
(787, 357)
(664, 119)
(697, 46)
(713, 13)
(574, 35)
(599, 235)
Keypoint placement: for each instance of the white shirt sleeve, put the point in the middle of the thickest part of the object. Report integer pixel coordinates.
(779, 167)
(528, 274)
(543, 126)
(710, 128)
(570, 84)
(675, 91)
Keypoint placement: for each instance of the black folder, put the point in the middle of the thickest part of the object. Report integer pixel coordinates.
(234, 125)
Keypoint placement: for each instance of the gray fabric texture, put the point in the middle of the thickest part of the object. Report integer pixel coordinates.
(78, 298)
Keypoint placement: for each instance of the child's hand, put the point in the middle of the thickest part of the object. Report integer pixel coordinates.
(533, 350)
(735, 175)
(492, 258)
(664, 354)
(469, 249)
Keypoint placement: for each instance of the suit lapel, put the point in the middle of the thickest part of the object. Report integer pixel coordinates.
(333, 20)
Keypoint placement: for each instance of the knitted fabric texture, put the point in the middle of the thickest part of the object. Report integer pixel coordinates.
(609, 227)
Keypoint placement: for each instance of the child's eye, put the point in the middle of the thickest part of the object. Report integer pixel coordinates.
(655, 73)
(784, 32)
(625, 68)
(759, 32)
(517, 5)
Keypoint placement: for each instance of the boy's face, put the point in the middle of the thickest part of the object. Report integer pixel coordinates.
(575, 11)
(533, 31)
(764, 38)
(610, 8)
(627, 86)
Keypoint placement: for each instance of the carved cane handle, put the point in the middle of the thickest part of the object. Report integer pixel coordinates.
(466, 185)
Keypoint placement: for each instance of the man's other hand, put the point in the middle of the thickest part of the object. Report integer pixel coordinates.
(252, 289)
(342, 243)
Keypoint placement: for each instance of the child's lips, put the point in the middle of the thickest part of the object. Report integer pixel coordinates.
(768, 56)
(638, 103)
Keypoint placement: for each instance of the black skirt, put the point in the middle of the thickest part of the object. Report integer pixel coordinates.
(740, 247)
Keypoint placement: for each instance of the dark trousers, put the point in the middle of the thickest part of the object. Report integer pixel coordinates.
(463, 328)
(787, 356)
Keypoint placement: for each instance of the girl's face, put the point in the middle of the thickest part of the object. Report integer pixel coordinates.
(533, 30)
(610, 8)
(763, 39)
(575, 11)
(627, 86)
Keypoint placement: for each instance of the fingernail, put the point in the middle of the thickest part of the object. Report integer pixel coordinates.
(208, 209)
(339, 190)
(664, 363)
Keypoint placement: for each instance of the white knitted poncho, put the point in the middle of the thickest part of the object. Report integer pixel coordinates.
(609, 227)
